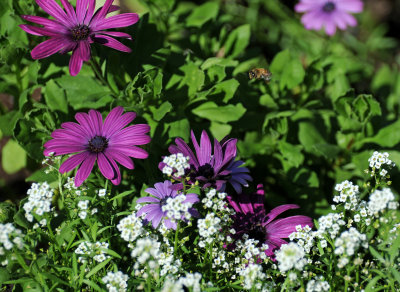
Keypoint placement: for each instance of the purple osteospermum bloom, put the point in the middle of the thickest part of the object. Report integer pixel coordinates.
(75, 31)
(329, 14)
(251, 219)
(108, 143)
(161, 193)
(212, 170)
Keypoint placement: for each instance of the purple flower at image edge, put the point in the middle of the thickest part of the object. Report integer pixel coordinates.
(161, 192)
(212, 169)
(76, 30)
(251, 219)
(92, 140)
(329, 14)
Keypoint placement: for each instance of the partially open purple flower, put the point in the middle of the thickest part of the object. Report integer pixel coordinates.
(329, 14)
(252, 219)
(154, 210)
(212, 169)
(108, 143)
(75, 31)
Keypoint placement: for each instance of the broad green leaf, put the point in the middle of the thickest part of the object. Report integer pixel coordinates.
(223, 114)
(202, 14)
(194, 77)
(84, 92)
(4, 275)
(14, 157)
(280, 61)
(98, 268)
(309, 136)
(377, 255)
(179, 128)
(228, 87)
(55, 97)
(293, 74)
(219, 131)
(291, 153)
(237, 41)
(388, 136)
(159, 113)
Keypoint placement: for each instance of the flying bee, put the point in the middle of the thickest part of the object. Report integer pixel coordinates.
(260, 73)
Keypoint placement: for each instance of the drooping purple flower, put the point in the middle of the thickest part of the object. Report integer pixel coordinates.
(92, 140)
(329, 14)
(76, 30)
(251, 219)
(212, 168)
(162, 191)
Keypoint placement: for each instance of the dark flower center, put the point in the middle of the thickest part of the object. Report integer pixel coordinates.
(206, 170)
(97, 144)
(80, 32)
(257, 232)
(329, 7)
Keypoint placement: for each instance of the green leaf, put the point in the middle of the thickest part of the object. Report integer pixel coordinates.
(159, 113)
(388, 136)
(219, 131)
(55, 98)
(31, 286)
(202, 14)
(4, 275)
(84, 92)
(223, 114)
(92, 284)
(291, 153)
(41, 176)
(377, 255)
(228, 87)
(237, 41)
(98, 268)
(280, 61)
(14, 157)
(194, 77)
(179, 128)
(309, 136)
(293, 74)
(371, 287)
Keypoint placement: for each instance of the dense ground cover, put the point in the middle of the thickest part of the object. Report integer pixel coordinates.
(157, 162)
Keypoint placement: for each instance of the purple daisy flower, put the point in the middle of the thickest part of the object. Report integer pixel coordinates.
(212, 170)
(162, 192)
(108, 143)
(75, 31)
(251, 219)
(329, 14)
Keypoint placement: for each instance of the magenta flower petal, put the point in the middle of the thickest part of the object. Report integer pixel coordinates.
(84, 171)
(111, 42)
(251, 219)
(73, 162)
(330, 14)
(47, 48)
(118, 124)
(212, 169)
(147, 200)
(74, 30)
(121, 20)
(87, 136)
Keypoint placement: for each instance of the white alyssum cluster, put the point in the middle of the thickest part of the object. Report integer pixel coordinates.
(172, 286)
(208, 229)
(317, 285)
(9, 237)
(146, 251)
(83, 205)
(215, 200)
(248, 248)
(70, 184)
(176, 208)
(378, 160)
(131, 227)
(116, 282)
(290, 256)
(331, 224)
(92, 250)
(349, 241)
(348, 195)
(251, 275)
(176, 165)
(305, 237)
(380, 200)
(39, 200)
(191, 281)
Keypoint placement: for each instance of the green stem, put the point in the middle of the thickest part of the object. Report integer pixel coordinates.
(176, 239)
(61, 191)
(97, 71)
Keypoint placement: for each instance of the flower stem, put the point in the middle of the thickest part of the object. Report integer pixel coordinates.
(97, 71)
(176, 239)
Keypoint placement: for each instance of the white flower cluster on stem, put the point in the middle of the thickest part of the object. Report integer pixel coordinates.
(290, 256)
(176, 208)
(116, 282)
(92, 250)
(131, 227)
(39, 200)
(176, 165)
